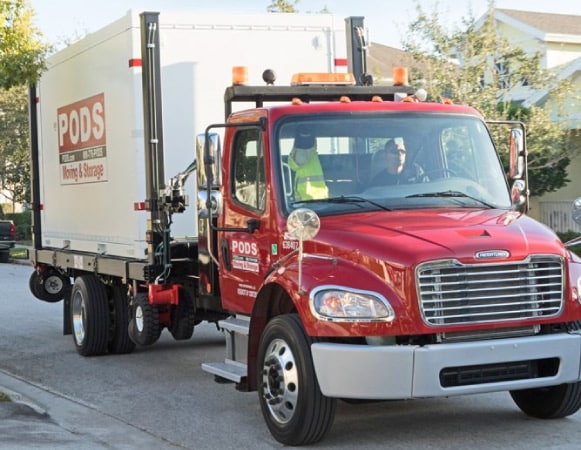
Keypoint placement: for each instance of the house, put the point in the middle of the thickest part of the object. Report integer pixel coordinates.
(558, 38)
(382, 59)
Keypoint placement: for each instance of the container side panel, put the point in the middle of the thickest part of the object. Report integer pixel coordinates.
(91, 113)
(91, 146)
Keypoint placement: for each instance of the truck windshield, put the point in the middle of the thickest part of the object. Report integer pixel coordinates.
(362, 162)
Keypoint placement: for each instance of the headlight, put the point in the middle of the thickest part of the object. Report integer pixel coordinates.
(338, 303)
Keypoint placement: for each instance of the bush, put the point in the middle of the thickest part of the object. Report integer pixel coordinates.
(23, 223)
(568, 236)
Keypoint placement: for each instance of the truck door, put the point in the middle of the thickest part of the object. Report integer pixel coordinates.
(244, 256)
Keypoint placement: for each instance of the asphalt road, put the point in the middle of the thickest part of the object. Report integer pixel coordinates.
(159, 397)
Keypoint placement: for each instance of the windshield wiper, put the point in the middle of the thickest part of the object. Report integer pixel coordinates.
(343, 199)
(451, 194)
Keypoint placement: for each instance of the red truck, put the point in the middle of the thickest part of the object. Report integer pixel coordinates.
(435, 286)
(7, 239)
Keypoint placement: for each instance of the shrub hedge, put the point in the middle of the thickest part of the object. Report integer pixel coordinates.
(568, 236)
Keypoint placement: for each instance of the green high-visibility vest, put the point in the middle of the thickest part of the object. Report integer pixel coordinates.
(309, 179)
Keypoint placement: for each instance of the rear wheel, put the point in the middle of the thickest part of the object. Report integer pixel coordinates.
(183, 317)
(552, 402)
(144, 327)
(119, 340)
(90, 316)
(295, 410)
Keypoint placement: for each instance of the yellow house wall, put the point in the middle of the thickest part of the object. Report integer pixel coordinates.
(558, 53)
(555, 54)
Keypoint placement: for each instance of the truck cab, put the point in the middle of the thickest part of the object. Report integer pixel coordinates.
(391, 291)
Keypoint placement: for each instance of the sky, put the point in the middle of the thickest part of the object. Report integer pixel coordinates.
(385, 20)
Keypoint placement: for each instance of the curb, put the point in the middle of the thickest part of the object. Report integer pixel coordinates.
(55, 420)
(15, 397)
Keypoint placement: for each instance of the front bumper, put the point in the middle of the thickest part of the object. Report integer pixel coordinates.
(400, 372)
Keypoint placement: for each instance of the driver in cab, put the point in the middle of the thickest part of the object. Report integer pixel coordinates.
(393, 168)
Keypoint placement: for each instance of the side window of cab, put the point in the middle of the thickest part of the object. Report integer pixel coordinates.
(459, 152)
(248, 186)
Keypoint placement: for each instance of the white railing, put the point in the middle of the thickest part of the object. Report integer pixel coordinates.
(557, 216)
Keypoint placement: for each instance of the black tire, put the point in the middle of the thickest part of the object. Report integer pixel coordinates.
(144, 327)
(119, 340)
(295, 410)
(49, 287)
(90, 316)
(183, 317)
(552, 402)
(4, 256)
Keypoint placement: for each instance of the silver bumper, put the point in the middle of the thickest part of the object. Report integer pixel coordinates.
(399, 372)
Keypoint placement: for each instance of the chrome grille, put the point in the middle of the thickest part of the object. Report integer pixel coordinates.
(451, 293)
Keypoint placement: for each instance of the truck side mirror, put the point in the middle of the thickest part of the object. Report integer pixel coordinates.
(303, 224)
(517, 154)
(518, 195)
(209, 158)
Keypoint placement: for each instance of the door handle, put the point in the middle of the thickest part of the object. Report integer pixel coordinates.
(226, 255)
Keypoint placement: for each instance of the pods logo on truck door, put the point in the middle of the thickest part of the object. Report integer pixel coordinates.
(82, 141)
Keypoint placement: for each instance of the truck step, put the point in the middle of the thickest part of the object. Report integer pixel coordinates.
(235, 325)
(228, 370)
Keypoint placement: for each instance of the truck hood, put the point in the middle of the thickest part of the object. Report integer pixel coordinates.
(467, 235)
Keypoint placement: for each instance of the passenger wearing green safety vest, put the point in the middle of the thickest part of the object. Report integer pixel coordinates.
(304, 161)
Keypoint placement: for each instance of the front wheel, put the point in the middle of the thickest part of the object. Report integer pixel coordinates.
(552, 402)
(295, 410)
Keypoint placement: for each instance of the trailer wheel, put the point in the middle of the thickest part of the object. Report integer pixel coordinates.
(295, 410)
(119, 340)
(50, 287)
(183, 317)
(144, 327)
(90, 316)
(552, 402)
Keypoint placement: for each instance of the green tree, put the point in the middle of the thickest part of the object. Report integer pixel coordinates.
(14, 145)
(474, 65)
(22, 55)
(22, 52)
(283, 6)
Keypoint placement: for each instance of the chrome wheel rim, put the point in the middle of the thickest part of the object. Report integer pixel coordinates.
(280, 386)
(53, 284)
(78, 311)
(139, 318)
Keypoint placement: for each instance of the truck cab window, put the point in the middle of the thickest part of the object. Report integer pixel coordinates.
(248, 169)
(431, 155)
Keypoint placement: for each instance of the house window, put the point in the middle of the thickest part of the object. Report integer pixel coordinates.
(502, 74)
(249, 187)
